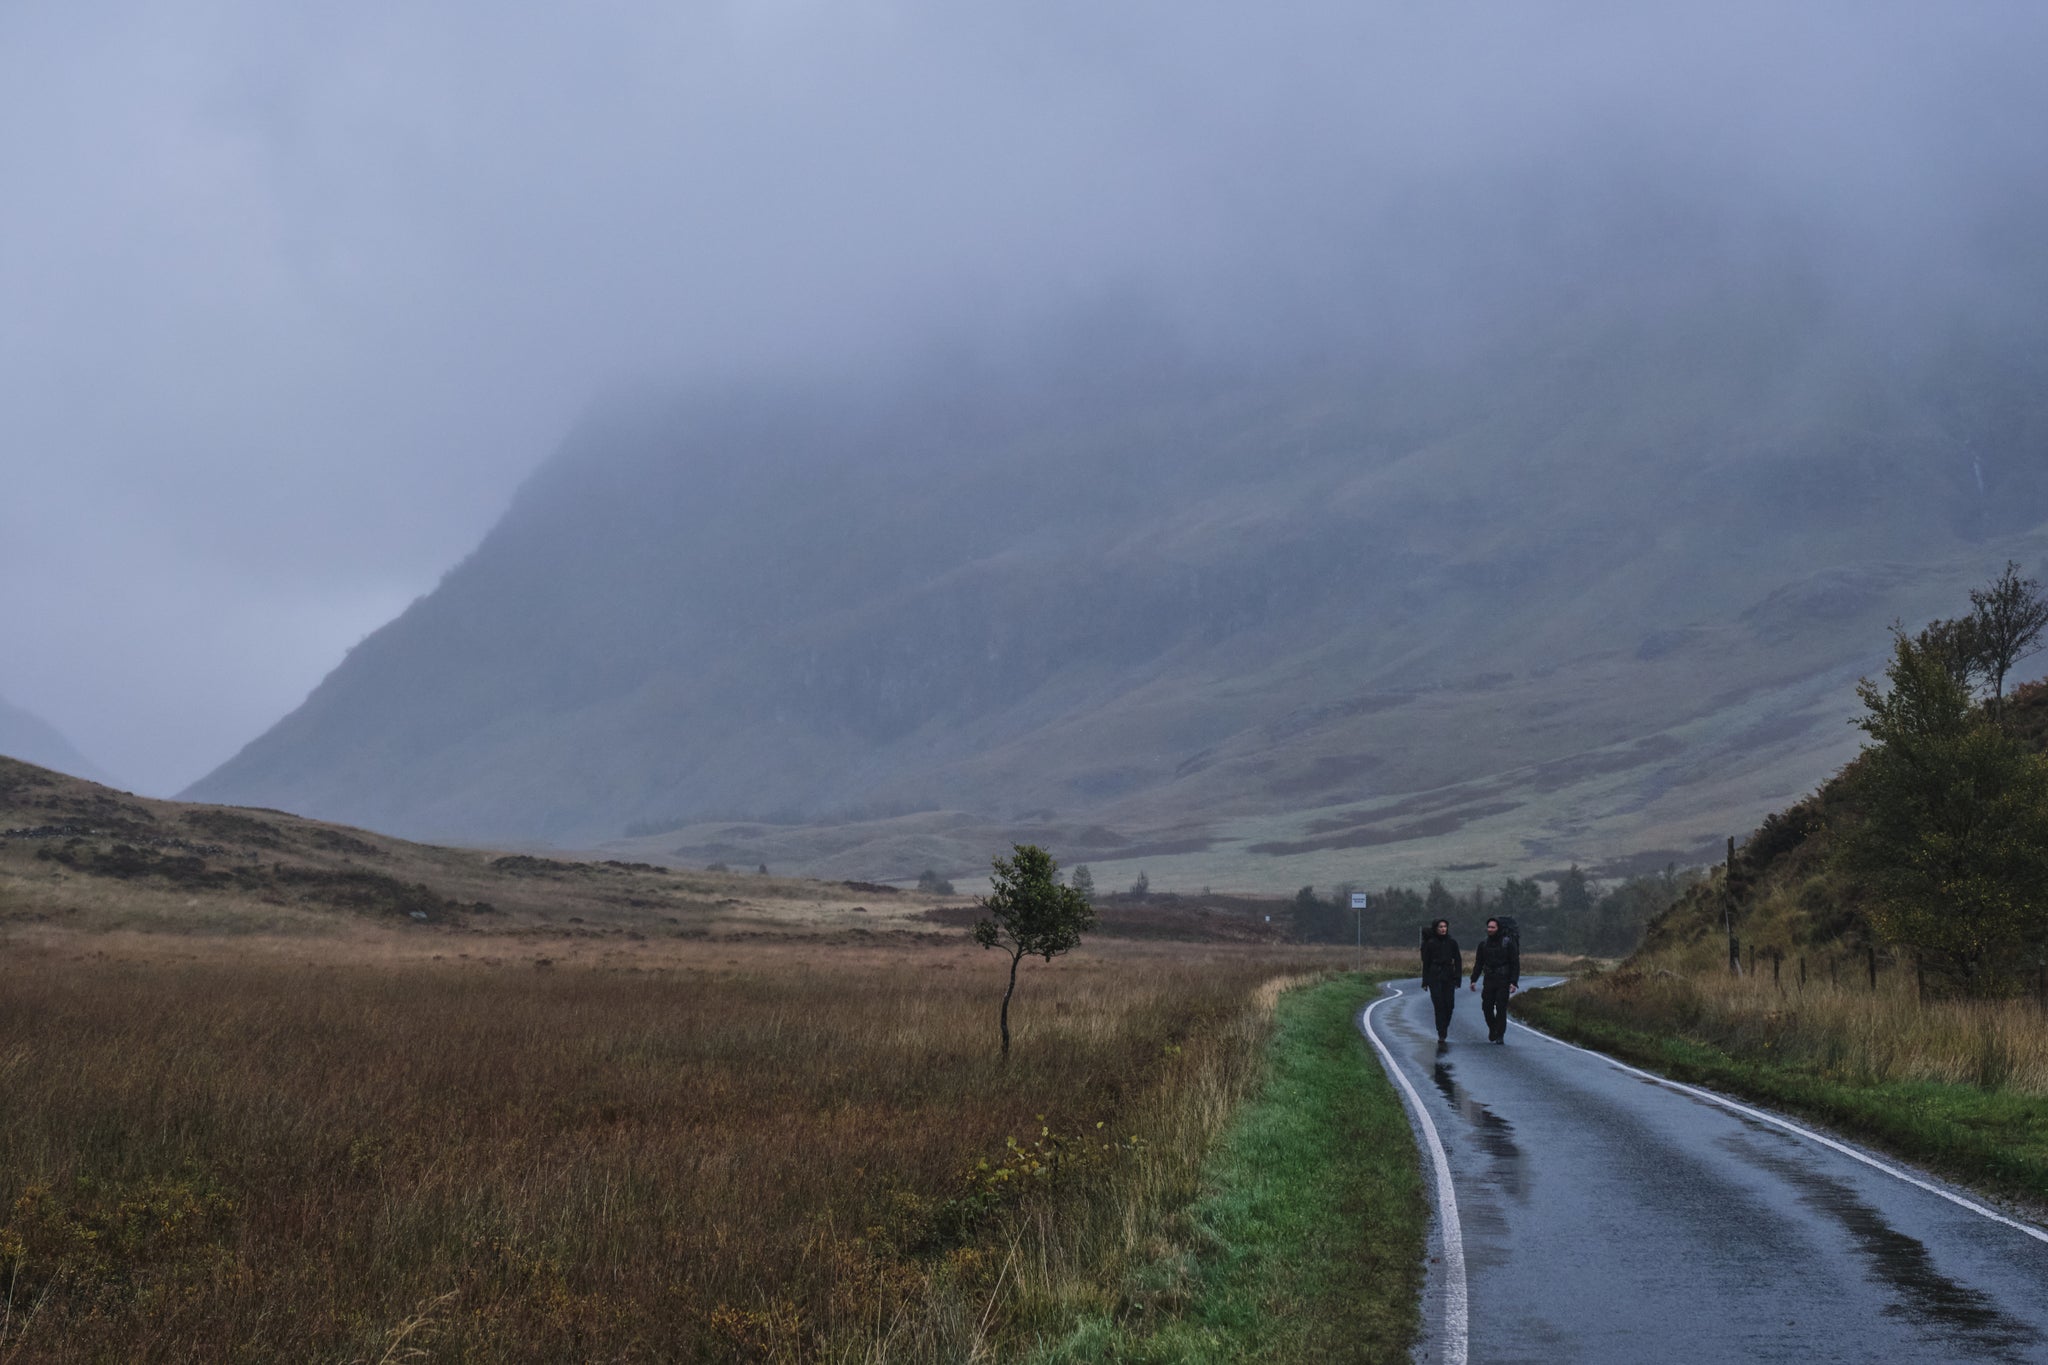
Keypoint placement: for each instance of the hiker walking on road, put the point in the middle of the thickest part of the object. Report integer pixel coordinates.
(1442, 965)
(1499, 960)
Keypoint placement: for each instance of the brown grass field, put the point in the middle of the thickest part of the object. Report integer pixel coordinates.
(384, 1145)
(277, 1090)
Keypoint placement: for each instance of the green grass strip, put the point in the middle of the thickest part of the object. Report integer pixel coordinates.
(1994, 1140)
(1308, 1245)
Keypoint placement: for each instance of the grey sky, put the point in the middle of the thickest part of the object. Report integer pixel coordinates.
(291, 297)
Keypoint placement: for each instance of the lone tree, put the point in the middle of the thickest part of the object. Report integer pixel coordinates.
(1029, 912)
(2006, 626)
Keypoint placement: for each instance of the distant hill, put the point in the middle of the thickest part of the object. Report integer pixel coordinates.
(34, 740)
(1595, 595)
(77, 856)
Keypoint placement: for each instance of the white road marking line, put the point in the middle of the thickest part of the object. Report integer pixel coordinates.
(1457, 1320)
(1764, 1117)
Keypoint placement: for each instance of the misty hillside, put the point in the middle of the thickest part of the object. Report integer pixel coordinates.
(1594, 592)
(32, 739)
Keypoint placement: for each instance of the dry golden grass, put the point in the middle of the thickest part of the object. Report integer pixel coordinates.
(369, 1148)
(1836, 1024)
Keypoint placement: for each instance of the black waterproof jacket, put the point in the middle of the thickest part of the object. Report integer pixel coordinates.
(1497, 959)
(1442, 963)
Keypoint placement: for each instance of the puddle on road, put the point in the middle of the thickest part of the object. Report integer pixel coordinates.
(1920, 1293)
(1494, 1135)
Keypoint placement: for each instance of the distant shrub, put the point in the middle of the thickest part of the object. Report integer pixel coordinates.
(524, 865)
(334, 841)
(932, 882)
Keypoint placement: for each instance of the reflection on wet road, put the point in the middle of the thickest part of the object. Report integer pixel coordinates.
(1609, 1218)
(1494, 1134)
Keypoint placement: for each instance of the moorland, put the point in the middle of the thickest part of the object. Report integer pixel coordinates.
(283, 1090)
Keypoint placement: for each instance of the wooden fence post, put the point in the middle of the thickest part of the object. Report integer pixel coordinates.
(1728, 909)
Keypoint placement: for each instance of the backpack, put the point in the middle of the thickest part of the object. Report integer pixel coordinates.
(1428, 933)
(1508, 932)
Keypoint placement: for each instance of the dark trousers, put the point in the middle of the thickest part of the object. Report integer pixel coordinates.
(1444, 995)
(1493, 1003)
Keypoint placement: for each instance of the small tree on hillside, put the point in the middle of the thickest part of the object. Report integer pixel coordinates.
(1083, 881)
(1029, 912)
(1953, 840)
(2006, 626)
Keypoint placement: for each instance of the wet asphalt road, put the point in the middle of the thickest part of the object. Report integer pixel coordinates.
(1604, 1217)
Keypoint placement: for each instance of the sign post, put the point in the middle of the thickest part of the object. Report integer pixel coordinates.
(1358, 904)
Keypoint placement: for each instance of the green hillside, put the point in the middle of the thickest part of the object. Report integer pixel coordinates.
(1784, 889)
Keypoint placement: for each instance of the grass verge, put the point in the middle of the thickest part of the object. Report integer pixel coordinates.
(1308, 1241)
(1989, 1136)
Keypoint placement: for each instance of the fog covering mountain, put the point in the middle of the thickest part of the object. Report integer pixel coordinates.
(32, 739)
(1486, 443)
(1607, 583)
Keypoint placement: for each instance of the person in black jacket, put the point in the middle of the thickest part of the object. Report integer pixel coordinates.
(1498, 959)
(1442, 965)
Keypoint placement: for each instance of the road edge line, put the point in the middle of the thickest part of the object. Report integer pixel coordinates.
(1765, 1116)
(1457, 1309)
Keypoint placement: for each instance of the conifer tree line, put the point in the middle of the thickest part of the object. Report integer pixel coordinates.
(1576, 914)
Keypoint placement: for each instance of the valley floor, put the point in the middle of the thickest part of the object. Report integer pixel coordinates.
(379, 1140)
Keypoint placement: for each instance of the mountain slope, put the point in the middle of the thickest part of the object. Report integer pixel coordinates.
(1593, 593)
